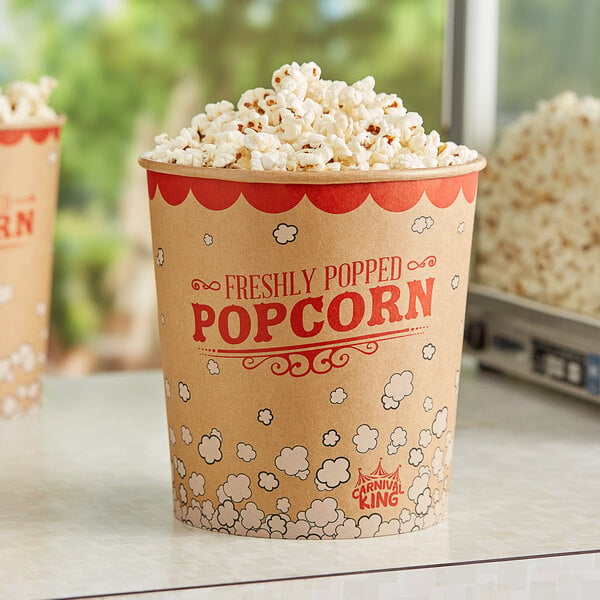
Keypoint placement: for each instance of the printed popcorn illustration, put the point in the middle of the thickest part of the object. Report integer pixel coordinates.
(29, 156)
(308, 279)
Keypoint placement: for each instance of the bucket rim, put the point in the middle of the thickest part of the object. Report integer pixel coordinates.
(32, 125)
(312, 177)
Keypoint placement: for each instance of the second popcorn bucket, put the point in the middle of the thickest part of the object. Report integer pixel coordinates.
(29, 176)
(311, 334)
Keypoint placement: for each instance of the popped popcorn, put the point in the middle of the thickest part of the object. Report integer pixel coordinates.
(538, 215)
(26, 102)
(305, 123)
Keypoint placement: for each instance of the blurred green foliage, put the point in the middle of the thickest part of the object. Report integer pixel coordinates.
(116, 60)
(85, 248)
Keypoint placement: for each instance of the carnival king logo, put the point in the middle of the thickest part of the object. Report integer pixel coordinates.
(378, 489)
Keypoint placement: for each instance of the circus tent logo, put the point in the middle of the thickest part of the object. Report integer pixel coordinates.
(378, 489)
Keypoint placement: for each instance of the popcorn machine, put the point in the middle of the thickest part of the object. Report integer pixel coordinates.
(521, 86)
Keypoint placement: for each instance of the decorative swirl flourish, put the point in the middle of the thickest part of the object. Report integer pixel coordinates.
(368, 348)
(252, 362)
(213, 285)
(298, 361)
(329, 359)
(429, 261)
(318, 361)
(299, 365)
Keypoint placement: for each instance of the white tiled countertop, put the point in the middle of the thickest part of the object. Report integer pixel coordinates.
(85, 508)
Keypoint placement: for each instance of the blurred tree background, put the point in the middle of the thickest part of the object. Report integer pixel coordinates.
(130, 69)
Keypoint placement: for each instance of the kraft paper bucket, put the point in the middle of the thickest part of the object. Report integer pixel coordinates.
(29, 173)
(311, 332)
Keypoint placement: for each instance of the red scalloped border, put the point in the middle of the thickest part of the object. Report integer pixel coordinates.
(10, 137)
(273, 198)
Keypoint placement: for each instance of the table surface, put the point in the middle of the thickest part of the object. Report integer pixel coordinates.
(86, 509)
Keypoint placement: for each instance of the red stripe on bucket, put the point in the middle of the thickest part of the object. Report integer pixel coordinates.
(10, 137)
(273, 198)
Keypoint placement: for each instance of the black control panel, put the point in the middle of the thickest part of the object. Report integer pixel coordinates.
(561, 364)
(549, 346)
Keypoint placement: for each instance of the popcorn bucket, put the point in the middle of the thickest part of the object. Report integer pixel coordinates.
(311, 332)
(29, 172)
